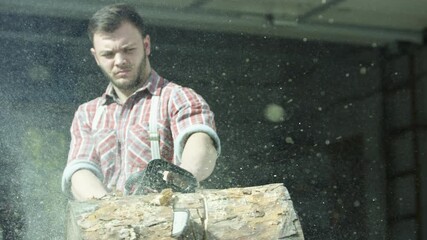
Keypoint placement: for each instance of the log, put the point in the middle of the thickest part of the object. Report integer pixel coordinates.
(260, 212)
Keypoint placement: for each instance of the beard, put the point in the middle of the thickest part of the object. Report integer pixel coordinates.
(131, 84)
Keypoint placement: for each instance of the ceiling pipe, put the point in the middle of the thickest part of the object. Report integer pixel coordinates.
(232, 23)
(317, 10)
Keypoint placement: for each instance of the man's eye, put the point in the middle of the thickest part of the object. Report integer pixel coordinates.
(107, 55)
(129, 50)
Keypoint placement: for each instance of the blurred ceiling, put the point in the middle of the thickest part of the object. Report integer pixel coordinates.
(367, 22)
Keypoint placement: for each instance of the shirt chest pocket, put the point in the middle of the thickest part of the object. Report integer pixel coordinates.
(139, 144)
(106, 145)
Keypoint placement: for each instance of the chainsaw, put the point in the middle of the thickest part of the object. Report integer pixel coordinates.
(152, 179)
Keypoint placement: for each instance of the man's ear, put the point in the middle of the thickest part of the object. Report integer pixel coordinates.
(92, 50)
(147, 44)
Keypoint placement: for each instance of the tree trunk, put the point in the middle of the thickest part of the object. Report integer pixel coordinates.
(260, 212)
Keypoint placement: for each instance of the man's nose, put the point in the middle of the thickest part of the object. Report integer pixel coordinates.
(120, 59)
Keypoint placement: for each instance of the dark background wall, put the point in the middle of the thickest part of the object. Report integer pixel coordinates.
(343, 127)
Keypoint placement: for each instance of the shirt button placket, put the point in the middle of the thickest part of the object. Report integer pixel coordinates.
(123, 129)
(119, 161)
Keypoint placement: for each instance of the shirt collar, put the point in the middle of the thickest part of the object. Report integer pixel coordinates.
(150, 85)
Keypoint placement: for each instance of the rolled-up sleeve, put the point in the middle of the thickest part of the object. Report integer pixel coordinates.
(190, 113)
(82, 154)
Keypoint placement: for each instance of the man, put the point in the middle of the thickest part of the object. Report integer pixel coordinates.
(140, 117)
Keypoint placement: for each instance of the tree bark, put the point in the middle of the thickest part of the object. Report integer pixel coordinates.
(260, 212)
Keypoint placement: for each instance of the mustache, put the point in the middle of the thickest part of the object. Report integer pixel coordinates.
(123, 68)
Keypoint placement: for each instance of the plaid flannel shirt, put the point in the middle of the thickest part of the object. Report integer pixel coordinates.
(117, 144)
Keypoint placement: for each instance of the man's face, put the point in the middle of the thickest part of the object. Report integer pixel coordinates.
(123, 57)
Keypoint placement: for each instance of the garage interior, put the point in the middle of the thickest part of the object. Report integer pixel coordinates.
(326, 96)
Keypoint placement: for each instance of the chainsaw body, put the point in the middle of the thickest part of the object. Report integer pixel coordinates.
(152, 179)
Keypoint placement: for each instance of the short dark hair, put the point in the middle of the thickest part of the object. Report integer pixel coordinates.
(109, 18)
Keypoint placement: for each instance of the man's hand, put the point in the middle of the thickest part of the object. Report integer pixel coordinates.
(85, 185)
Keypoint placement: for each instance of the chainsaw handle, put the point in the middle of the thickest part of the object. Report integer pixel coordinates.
(187, 182)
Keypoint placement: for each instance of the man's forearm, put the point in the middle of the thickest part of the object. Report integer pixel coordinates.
(85, 185)
(199, 155)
